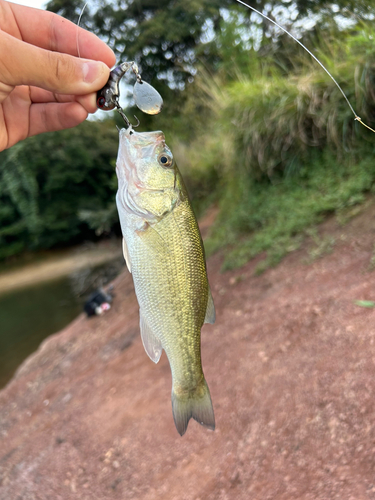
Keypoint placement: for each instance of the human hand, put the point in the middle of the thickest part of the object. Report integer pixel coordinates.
(44, 86)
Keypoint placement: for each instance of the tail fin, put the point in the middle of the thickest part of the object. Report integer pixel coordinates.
(197, 405)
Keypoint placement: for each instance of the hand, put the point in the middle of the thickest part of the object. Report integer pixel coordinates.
(44, 86)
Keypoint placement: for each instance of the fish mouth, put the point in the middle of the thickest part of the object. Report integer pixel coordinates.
(136, 147)
(140, 140)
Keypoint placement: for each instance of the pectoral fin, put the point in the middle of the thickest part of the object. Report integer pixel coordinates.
(157, 243)
(126, 255)
(150, 342)
(210, 311)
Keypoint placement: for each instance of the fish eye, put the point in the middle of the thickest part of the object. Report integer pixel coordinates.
(165, 160)
(100, 102)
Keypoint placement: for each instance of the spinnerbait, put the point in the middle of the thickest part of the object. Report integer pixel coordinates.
(145, 96)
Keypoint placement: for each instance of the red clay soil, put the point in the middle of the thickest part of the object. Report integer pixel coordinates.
(290, 363)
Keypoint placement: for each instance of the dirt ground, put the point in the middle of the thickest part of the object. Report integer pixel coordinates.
(290, 363)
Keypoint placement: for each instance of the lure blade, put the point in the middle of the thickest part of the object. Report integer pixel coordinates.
(147, 98)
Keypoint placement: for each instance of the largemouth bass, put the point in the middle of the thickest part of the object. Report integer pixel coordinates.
(164, 252)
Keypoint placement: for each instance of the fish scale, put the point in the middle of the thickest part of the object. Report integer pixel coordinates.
(172, 303)
(164, 250)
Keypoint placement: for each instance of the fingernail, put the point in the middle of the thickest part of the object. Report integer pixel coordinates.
(91, 71)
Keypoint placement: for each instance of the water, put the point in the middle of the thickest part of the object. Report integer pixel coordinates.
(30, 315)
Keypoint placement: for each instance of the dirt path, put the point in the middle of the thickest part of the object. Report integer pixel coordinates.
(58, 266)
(290, 364)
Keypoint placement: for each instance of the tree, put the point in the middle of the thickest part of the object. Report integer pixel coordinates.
(58, 188)
(160, 35)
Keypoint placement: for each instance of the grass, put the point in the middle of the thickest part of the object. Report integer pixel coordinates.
(276, 218)
(281, 151)
(323, 245)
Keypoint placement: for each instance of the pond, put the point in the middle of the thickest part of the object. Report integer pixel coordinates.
(30, 315)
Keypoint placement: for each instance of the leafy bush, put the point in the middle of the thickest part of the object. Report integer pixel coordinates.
(48, 181)
(288, 151)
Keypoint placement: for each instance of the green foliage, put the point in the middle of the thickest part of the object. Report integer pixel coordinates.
(160, 35)
(278, 118)
(274, 218)
(19, 211)
(100, 220)
(168, 37)
(47, 182)
(364, 303)
(261, 131)
(286, 150)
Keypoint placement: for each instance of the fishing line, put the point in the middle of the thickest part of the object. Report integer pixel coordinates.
(357, 118)
(79, 20)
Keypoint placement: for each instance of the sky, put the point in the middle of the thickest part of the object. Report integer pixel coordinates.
(38, 4)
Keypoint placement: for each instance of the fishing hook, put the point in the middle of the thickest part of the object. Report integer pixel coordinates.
(125, 118)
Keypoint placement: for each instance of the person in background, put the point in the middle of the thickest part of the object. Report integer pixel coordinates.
(44, 85)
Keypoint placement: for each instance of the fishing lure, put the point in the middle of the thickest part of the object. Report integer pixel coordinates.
(146, 97)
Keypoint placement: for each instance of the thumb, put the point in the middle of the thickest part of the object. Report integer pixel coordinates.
(25, 64)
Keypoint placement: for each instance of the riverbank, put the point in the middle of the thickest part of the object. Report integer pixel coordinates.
(56, 265)
(289, 362)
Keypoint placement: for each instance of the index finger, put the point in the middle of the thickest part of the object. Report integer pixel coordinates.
(52, 32)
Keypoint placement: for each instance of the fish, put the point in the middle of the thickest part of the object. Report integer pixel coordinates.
(164, 252)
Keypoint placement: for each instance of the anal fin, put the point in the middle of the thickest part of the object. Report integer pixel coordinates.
(150, 342)
(210, 311)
